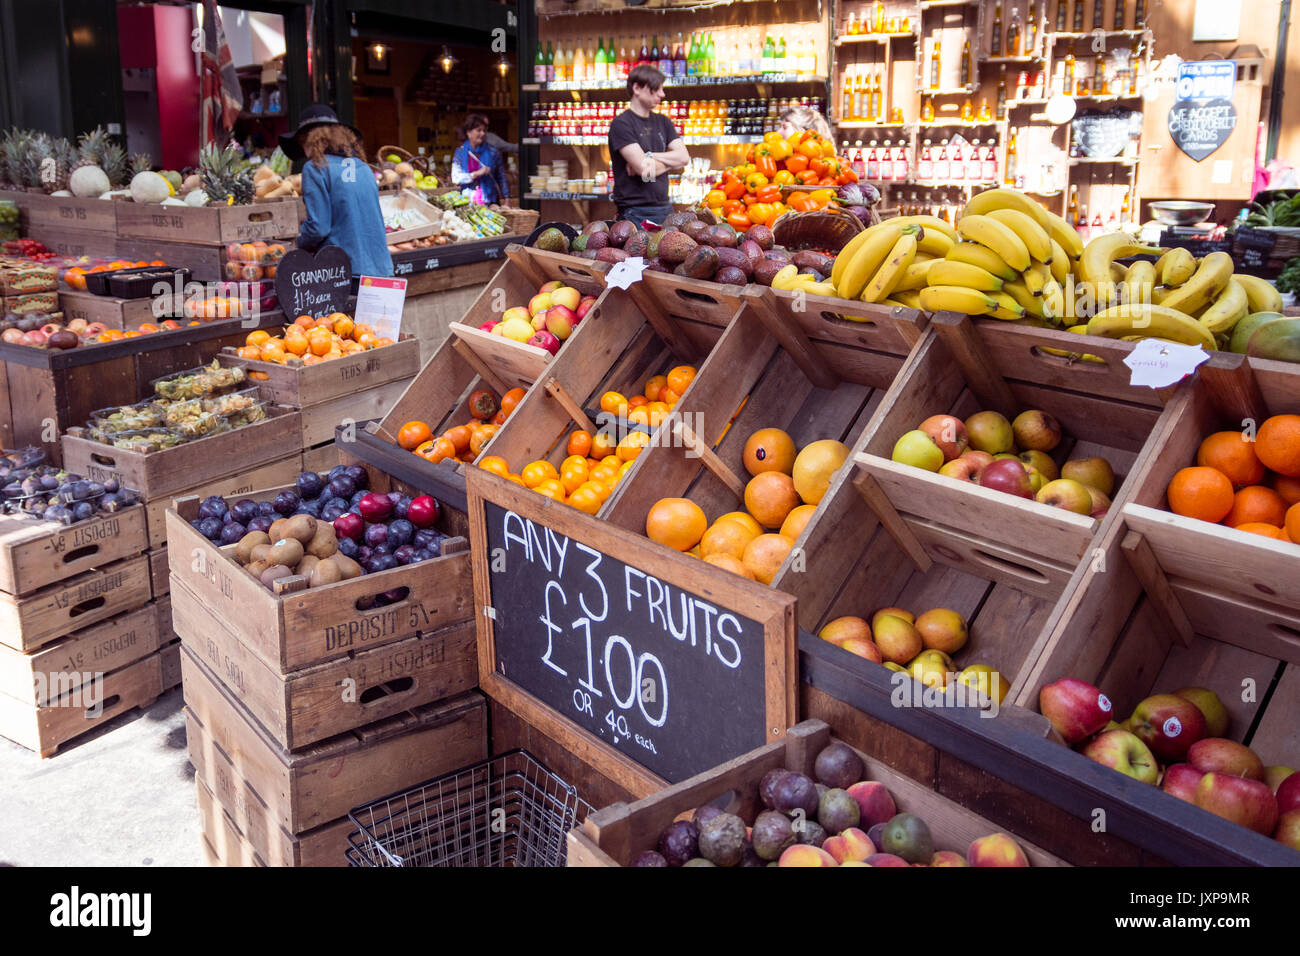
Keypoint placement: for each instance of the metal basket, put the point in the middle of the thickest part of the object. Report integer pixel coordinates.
(507, 811)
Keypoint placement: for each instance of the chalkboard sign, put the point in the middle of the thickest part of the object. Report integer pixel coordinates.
(1104, 134)
(1199, 127)
(1252, 249)
(618, 651)
(314, 284)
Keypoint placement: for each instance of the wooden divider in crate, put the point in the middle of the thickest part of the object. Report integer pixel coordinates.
(615, 835)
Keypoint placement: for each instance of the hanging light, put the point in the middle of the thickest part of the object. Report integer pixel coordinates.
(503, 65)
(377, 51)
(448, 61)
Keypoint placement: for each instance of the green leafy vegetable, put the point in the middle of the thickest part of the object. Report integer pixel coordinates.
(1289, 278)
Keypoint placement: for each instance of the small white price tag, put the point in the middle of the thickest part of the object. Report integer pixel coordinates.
(624, 273)
(379, 305)
(1159, 364)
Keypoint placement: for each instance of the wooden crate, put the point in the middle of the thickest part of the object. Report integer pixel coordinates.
(169, 658)
(301, 386)
(205, 260)
(43, 213)
(307, 705)
(302, 791)
(70, 241)
(46, 729)
(232, 845)
(172, 470)
(293, 629)
(320, 421)
(64, 664)
(615, 835)
(211, 224)
(159, 572)
(236, 486)
(320, 458)
(36, 553)
(112, 312)
(29, 622)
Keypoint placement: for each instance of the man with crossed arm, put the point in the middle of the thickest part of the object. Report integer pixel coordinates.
(644, 147)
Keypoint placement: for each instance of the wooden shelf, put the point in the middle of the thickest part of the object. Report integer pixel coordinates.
(1010, 59)
(1082, 36)
(956, 91)
(871, 38)
(676, 82)
(937, 4)
(943, 124)
(572, 197)
(1115, 161)
(869, 124)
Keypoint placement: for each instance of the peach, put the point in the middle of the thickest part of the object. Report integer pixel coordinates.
(843, 628)
(947, 858)
(997, 849)
(854, 863)
(802, 854)
(852, 844)
(885, 859)
(875, 804)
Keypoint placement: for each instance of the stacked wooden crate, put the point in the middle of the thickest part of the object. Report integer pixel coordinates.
(71, 226)
(302, 704)
(81, 641)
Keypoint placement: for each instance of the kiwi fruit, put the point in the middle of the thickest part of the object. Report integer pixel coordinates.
(302, 528)
(255, 568)
(325, 572)
(287, 551)
(244, 549)
(305, 566)
(324, 542)
(347, 567)
(277, 529)
(274, 573)
(260, 552)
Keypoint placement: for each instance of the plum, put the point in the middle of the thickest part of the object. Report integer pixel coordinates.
(332, 510)
(348, 548)
(213, 507)
(404, 554)
(286, 503)
(364, 553)
(309, 484)
(400, 532)
(360, 477)
(357, 496)
(261, 523)
(266, 508)
(424, 537)
(210, 528)
(336, 471)
(376, 534)
(383, 562)
(341, 487)
(401, 506)
(232, 532)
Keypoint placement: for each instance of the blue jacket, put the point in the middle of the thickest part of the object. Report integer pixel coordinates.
(494, 184)
(343, 210)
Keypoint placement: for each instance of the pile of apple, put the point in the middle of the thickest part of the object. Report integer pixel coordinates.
(1183, 733)
(549, 318)
(1009, 456)
(837, 819)
(920, 646)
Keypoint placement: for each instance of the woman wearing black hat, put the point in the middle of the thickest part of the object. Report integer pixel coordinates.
(340, 192)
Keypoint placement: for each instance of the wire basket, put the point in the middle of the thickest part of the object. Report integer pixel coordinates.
(507, 811)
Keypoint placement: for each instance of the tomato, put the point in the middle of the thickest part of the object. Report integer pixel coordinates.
(739, 221)
(714, 198)
(756, 181)
(783, 177)
(797, 163)
(483, 405)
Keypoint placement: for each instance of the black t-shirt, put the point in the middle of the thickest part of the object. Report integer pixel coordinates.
(653, 133)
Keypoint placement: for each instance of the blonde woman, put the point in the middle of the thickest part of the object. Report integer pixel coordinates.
(803, 117)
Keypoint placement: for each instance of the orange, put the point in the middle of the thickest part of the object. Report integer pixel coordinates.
(1293, 523)
(770, 497)
(726, 537)
(763, 556)
(297, 344)
(676, 522)
(1288, 488)
(573, 477)
(1200, 492)
(324, 322)
(480, 436)
(680, 377)
(636, 400)
(383, 340)
(769, 449)
(586, 500)
(439, 449)
(653, 385)
(460, 436)
(367, 341)
(1265, 529)
(614, 403)
(250, 352)
(511, 399)
(343, 325)
(601, 488)
(639, 415)
(631, 444)
(498, 466)
(362, 328)
(304, 321)
(312, 359)
(535, 472)
(574, 461)
(1230, 453)
(579, 443)
(728, 563)
(257, 337)
(551, 489)
(745, 518)
(1255, 504)
(668, 396)
(516, 479)
(1277, 443)
(797, 520)
(413, 434)
(658, 412)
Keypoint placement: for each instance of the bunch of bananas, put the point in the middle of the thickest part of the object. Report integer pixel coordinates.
(790, 278)
(887, 262)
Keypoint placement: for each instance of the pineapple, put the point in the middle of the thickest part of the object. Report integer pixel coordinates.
(35, 161)
(141, 163)
(12, 151)
(225, 175)
(91, 148)
(115, 165)
(54, 176)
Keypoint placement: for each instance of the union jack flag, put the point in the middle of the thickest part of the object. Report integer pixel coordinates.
(220, 97)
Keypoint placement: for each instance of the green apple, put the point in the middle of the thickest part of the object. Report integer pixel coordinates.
(918, 449)
(1208, 703)
(1091, 471)
(1123, 751)
(1067, 494)
(990, 432)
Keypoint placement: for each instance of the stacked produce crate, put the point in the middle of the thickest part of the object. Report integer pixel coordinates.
(71, 226)
(303, 702)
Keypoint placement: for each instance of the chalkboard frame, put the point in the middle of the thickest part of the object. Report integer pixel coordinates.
(773, 610)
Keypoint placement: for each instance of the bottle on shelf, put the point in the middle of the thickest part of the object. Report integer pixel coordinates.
(975, 163)
(896, 115)
(1097, 228)
(1071, 87)
(956, 164)
(778, 61)
(666, 58)
(900, 163)
(985, 115)
(1062, 14)
(995, 41)
(1002, 95)
(1112, 222)
(942, 172)
(1013, 35)
(967, 111)
(1139, 14)
(1072, 208)
(1100, 78)
(621, 66)
(886, 163)
(934, 65)
(694, 57)
(679, 57)
(851, 28)
(810, 59)
(653, 59)
(1031, 30)
(965, 64)
(1117, 16)
(1082, 227)
(927, 109)
(1077, 26)
(1126, 207)
(876, 106)
(1098, 14)
(539, 64)
(859, 161)
(710, 57)
(878, 22)
(873, 163)
(846, 97)
(1012, 164)
(644, 55)
(989, 165)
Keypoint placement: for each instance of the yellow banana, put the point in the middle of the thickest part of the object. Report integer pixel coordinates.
(1228, 309)
(1150, 322)
(1140, 281)
(865, 260)
(923, 256)
(1175, 267)
(812, 286)
(1054, 300)
(1261, 295)
(1032, 304)
(1065, 234)
(1027, 228)
(1037, 276)
(1060, 262)
(933, 241)
(949, 272)
(996, 236)
(1117, 272)
(1007, 307)
(916, 275)
(1100, 254)
(889, 274)
(1210, 278)
(930, 222)
(983, 203)
(955, 298)
(911, 298)
(984, 257)
(784, 279)
(1075, 356)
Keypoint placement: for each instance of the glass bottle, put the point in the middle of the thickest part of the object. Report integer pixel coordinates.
(539, 64)
(1078, 16)
(846, 96)
(925, 165)
(1062, 14)
(886, 162)
(779, 64)
(967, 111)
(974, 161)
(1098, 14)
(934, 65)
(1072, 210)
(1013, 35)
(873, 163)
(900, 163)
(1010, 179)
(710, 57)
(1070, 86)
(1031, 30)
(877, 114)
(769, 54)
(1002, 95)
(1139, 14)
(995, 41)
(1117, 16)
(859, 162)
(1100, 85)
(985, 115)
(679, 58)
(666, 58)
(941, 169)
(644, 55)
(1126, 206)
(965, 64)
(956, 164)
(927, 110)
(879, 22)
(989, 165)
(1081, 227)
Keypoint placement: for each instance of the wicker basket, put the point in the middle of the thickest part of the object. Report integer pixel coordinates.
(419, 162)
(824, 229)
(518, 221)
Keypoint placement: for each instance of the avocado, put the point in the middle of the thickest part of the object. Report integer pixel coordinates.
(722, 839)
(838, 765)
(1279, 340)
(674, 247)
(694, 228)
(552, 240)
(678, 219)
(595, 240)
(1245, 328)
(772, 833)
(611, 254)
(597, 225)
(736, 259)
(621, 232)
(579, 244)
(652, 249)
(701, 263)
(638, 244)
(837, 811)
(719, 236)
(907, 836)
(730, 275)
(762, 235)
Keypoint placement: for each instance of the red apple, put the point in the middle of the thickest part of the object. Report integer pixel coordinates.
(560, 321)
(1288, 794)
(585, 306)
(1248, 803)
(1168, 724)
(963, 469)
(350, 525)
(545, 340)
(1222, 756)
(94, 328)
(487, 326)
(1120, 750)
(1007, 475)
(948, 432)
(981, 459)
(1037, 430)
(1180, 781)
(13, 336)
(551, 286)
(1076, 709)
(1288, 829)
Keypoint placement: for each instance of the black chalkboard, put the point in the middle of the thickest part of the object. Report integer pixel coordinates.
(314, 284)
(1104, 134)
(671, 680)
(1199, 127)
(1252, 249)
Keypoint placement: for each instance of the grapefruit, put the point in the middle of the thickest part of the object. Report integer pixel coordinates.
(769, 449)
(814, 466)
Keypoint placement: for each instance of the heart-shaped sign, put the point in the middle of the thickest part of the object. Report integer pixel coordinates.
(1199, 127)
(314, 285)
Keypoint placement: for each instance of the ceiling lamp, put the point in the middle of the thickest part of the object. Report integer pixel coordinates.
(503, 65)
(447, 60)
(377, 51)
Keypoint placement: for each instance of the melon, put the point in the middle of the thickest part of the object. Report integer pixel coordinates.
(149, 187)
(88, 182)
(196, 197)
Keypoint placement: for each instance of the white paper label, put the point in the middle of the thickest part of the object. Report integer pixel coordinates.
(379, 305)
(1159, 364)
(624, 273)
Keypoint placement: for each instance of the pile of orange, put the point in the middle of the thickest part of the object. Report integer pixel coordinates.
(780, 498)
(259, 252)
(1249, 485)
(658, 397)
(75, 278)
(145, 328)
(312, 340)
(462, 442)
